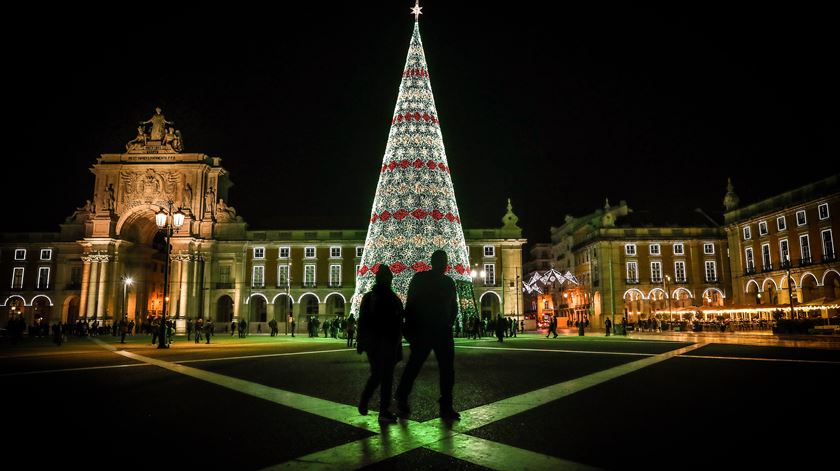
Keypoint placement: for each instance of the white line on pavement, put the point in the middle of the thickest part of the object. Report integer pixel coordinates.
(777, 360)
(557, 350)
(65, 370)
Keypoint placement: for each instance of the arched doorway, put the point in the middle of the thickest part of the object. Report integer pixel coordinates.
(831, 285)
(224, 309)
(257, 309)
(16, 309)
(490, 305)
(335, 305)
(657, 300)
(785, 294)
(633, 302)
(309, 305)
(752, 294)
(142, 258)
(809, 289)
(713, 297)
(71, 310)
(282, 307)
(41, 309)
(682, 298)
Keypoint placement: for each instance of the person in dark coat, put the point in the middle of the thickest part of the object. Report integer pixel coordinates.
(380, 319)
(430, 311)
(608, 325)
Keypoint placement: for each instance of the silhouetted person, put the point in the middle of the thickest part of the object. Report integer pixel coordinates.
(608, 325)
(380, 316)
(430, 310)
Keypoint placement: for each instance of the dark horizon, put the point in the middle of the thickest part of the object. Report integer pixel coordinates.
(555, 109)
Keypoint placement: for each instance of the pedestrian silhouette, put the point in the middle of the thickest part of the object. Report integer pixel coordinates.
(430, 310)
(380, 316)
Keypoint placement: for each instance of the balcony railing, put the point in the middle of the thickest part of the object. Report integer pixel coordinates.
(631, 281)
(749, 271)
(785, 264)
(309, 284)
(829, 257)
(712, 280)
(805, 261)
(681, 281)
(335, 285)
(767, 267)
(656, 280)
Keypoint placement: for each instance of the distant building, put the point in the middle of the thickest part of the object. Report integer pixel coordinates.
(786, 237)
(220, 269)
(638, 263)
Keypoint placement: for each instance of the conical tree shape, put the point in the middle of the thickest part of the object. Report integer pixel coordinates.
(414, 209)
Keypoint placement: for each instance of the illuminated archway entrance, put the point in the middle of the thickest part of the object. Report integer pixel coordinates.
(224, 309)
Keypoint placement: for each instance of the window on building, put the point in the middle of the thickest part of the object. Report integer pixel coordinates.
(655, 249)
(282, 275)
(630, 249)
(224, 274)
(46, 254)
(17, 278)
(335, 275)
(309, 276)
(747, 233)
(284, 252)
(801, 219)
(781, 223)
(679, 249)
(784, 253)
(545, 305)
(765, 257)
(711, 271)
(490, 274)
(805, 247)
(749, 258)
(258, 278)
(335, 252)
(828, 245)
(656, 272)
(679, 272)
(822, 211)
(309, 252)
(489, 251)
(762, 228)
(709, 248)
(259, 253)
(43, 278)
(20, 254)
(632, 272)
(360, 251)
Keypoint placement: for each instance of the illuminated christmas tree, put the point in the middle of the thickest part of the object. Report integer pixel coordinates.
(414, 209)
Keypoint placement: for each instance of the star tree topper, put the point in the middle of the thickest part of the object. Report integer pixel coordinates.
(416, 10)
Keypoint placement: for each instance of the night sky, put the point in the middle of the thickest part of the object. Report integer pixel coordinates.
(554, 107)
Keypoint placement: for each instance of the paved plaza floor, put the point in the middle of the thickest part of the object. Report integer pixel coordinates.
(643, 401)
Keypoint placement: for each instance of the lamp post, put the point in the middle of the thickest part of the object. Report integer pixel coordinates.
(127, 281)
(790, 285)
(169, 225)
(517, 298)
(667, 280)
(473, 275)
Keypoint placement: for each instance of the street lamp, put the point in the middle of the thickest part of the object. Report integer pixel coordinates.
(790, 285)
(169, 226)
(127, 281)
(667, 280)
